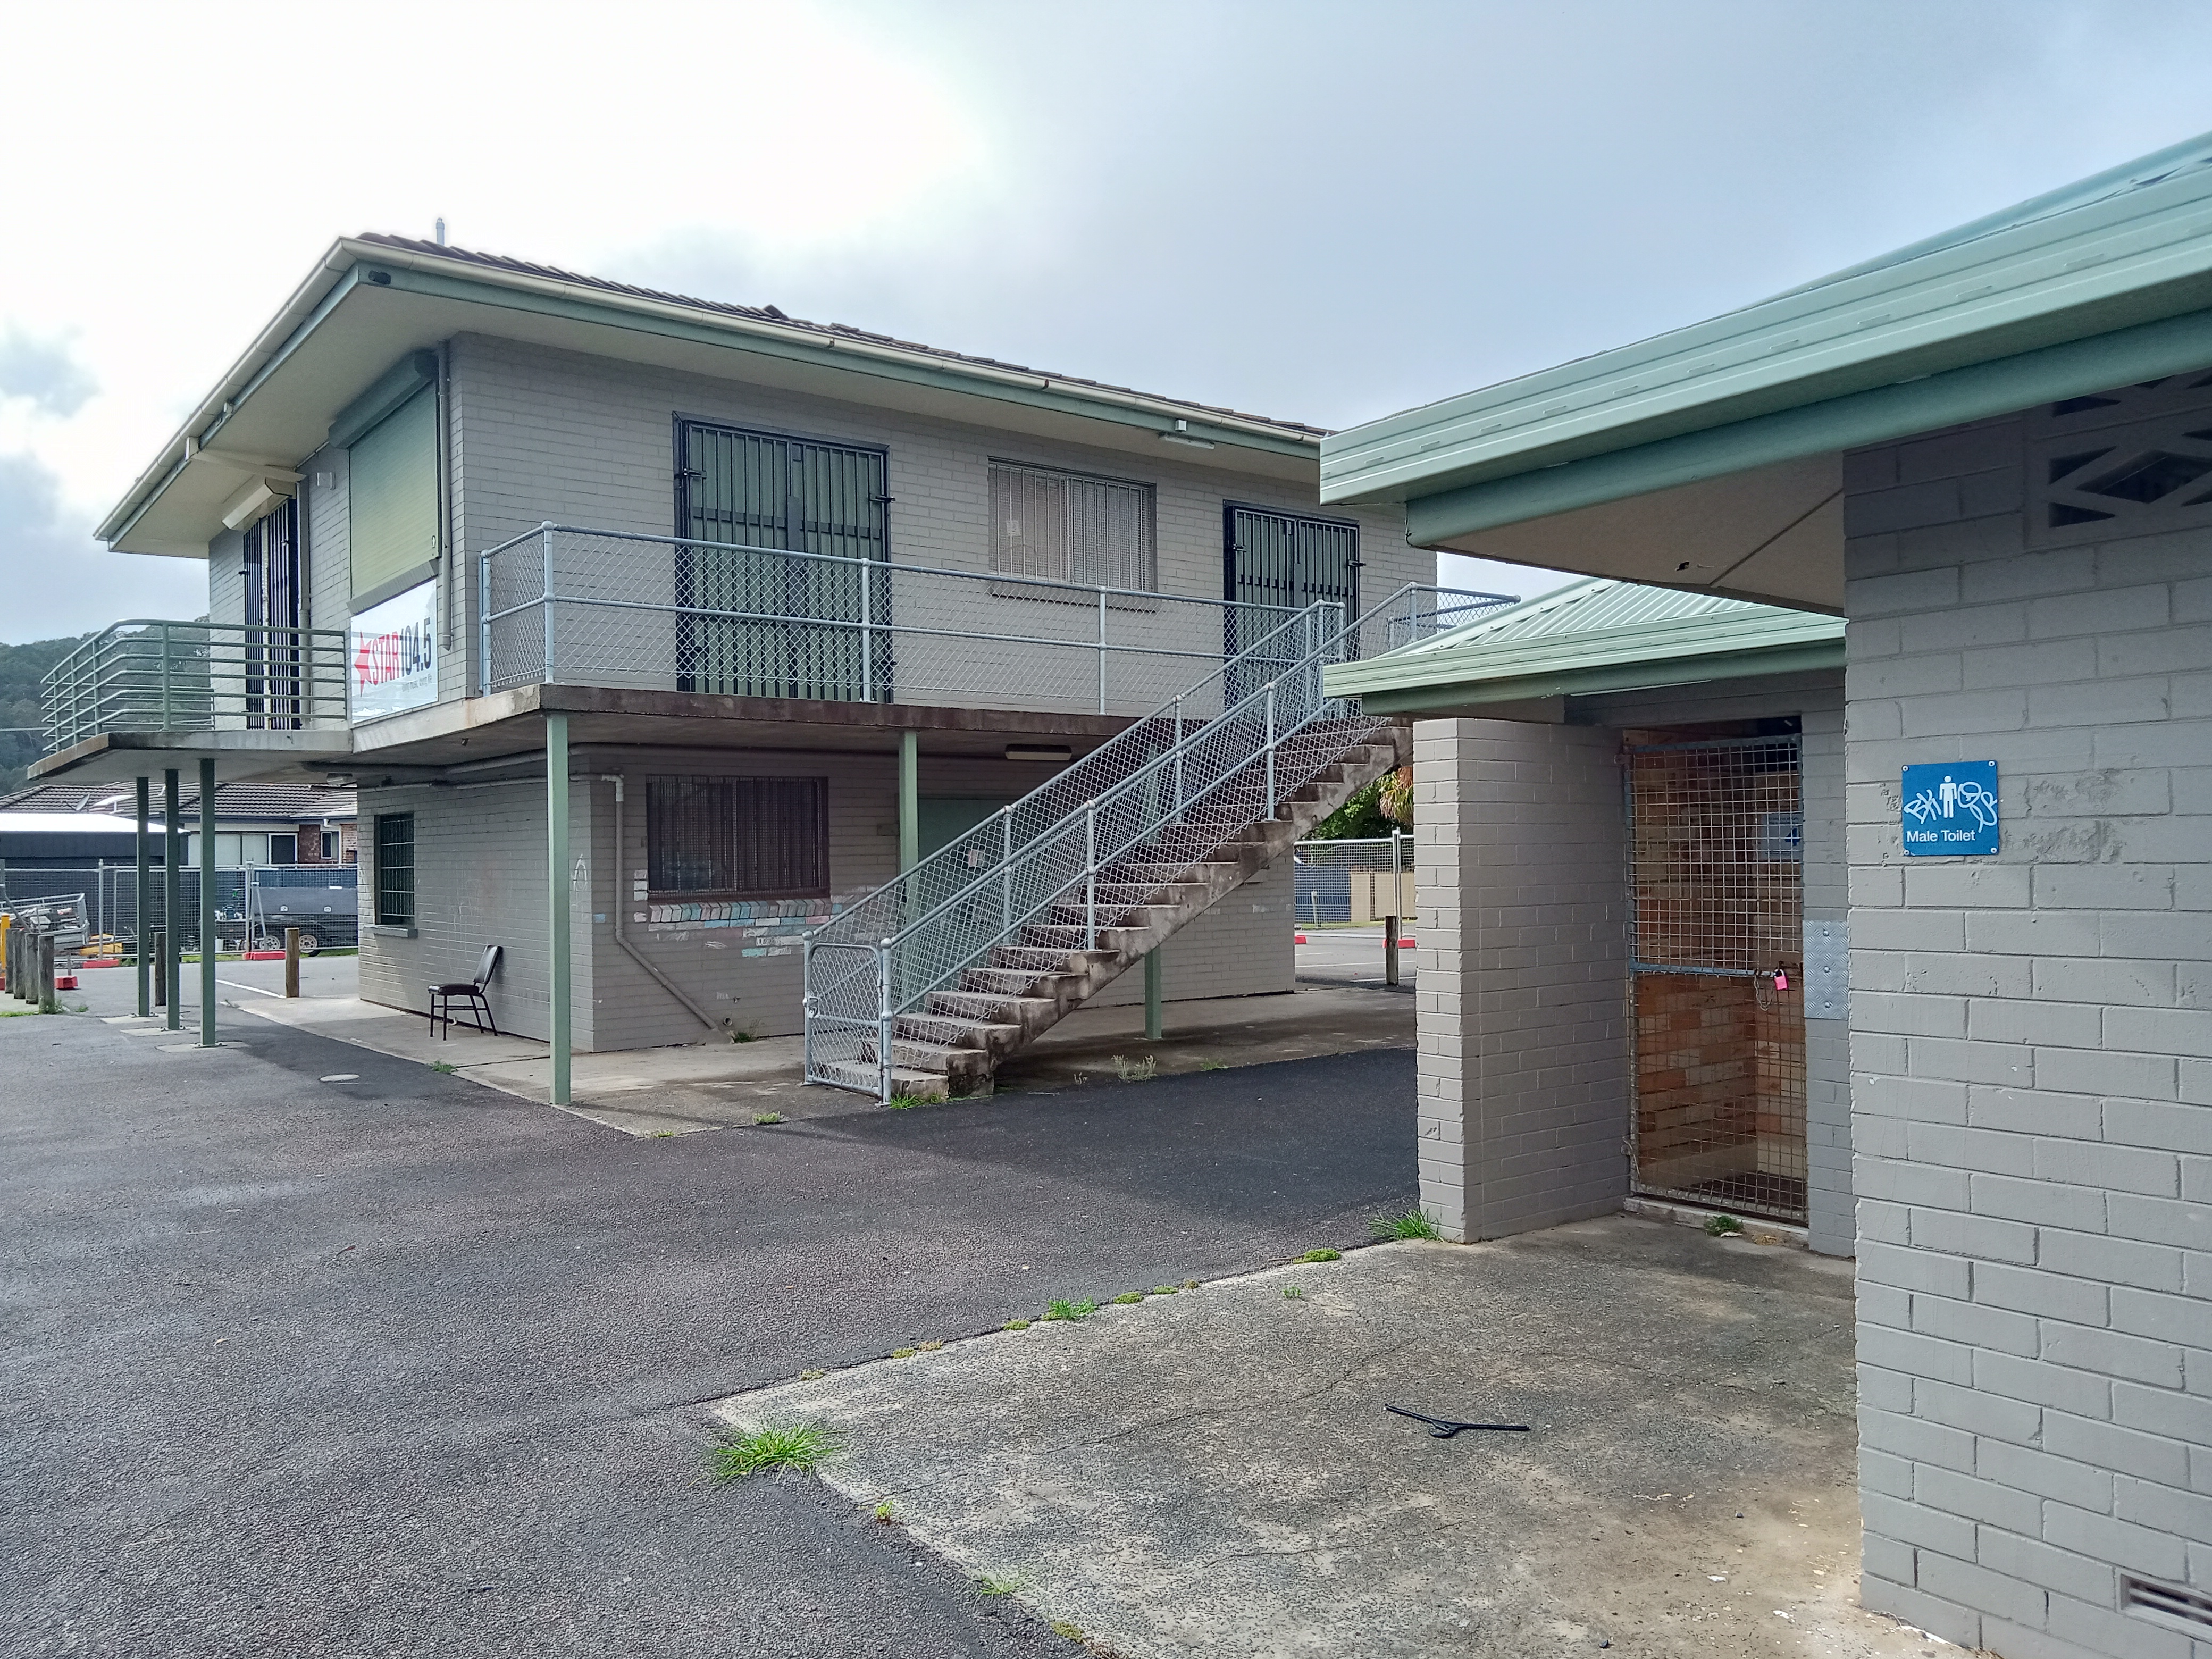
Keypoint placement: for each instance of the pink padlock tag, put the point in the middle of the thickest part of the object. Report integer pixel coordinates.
(1781, 980)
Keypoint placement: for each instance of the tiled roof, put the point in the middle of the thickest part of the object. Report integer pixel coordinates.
(288, 802)
(771, 314)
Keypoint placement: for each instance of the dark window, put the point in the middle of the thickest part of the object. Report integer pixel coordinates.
(395, 869)
(737, 837)
(284, 849)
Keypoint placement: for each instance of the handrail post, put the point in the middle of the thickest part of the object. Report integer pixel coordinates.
(167, 723)
(806, 1006)
(1101, 650)
(1178, 755)
(546, 536)
(1270, 749)
(884, 1022)
(483, 624)
(1006, 868)
(1091, 875)
(867, 634)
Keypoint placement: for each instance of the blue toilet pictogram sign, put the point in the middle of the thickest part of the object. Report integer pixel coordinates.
(1949, 809)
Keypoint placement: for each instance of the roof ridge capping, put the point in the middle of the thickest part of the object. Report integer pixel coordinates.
(2128, 246)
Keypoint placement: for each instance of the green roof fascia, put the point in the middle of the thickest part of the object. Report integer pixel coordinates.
(1453, 695)
(2129, 256)
(1690, 640)
(825, 349)
(2075, 369)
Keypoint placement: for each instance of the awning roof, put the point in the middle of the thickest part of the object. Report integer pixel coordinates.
(2104, 282)
(1587, 639)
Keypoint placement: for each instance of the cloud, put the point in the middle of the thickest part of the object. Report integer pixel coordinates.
(55, 579)
(44, 371)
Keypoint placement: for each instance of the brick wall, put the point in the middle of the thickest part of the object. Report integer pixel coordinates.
(1523, 1067)
(2031, 1059)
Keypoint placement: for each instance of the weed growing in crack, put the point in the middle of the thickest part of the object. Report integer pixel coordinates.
(929, 1347)
(1165, 1289)
(1293, 1293)
(1721, 1226)
(1137, 1070)
(812, 1376)
(902, 1354)
(883, 1511)
(797, 1446)
(442, 1068)
(905, 1102)
(1015, 1325)
(1128, 1297)
(1322, 1254)
(1061, 1308)
(762, 1119)
(1415, 1223)
(992, 1584)
(1212, 1065)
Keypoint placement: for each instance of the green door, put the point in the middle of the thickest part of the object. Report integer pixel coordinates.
(760, 625)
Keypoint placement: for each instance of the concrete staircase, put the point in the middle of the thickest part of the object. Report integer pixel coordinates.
(951, 1044)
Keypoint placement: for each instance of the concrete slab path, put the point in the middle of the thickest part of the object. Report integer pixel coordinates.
(1213, 1472)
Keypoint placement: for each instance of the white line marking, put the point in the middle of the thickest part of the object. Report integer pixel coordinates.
(255, 989)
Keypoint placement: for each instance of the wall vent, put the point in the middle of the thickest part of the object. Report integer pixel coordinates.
(2186, 1610)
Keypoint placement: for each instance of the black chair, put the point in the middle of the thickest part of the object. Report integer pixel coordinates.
(470, 993)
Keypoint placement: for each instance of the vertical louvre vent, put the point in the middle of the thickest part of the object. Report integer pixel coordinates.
(2186, 1610)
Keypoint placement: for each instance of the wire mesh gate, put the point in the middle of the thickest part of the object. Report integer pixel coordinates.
(1716, 848)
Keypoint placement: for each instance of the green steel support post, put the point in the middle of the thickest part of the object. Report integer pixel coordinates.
(910, 800)
(144, 912)
(207, 903)
(557, 895)
(172, 898)
(1152, 1026)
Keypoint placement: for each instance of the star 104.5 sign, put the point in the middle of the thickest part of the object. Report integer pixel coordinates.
(1950, 809)
(393, 653)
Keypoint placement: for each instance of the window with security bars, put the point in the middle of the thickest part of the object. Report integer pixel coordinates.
(737, 838)
(1066, 528)
(395, 869)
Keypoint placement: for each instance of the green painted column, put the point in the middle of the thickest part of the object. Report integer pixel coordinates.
(1152, 976)
(143, 900)
(557, 897)
(207, 903)
(910, 800)
(172, 896)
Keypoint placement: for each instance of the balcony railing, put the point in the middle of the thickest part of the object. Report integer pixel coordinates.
(153, 676)
(567, 606)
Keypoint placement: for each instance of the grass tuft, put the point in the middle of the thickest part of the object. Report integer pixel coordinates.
(1415, 1223)
(1721, 1225)
(664, 1134)
(742, 1034)
(1293, 1293)
(883, 1511)
(902, 1354)
(779, 1446)
(1061, 1308)
(1166, 1290)
(1127, 1298)
(1015, 1325)
(1322, 1254)
(1212, 1065)
(905, 1102)
(1137, 1070)
(812, 1376)
(929, 1347)
(442, 1068)
(762, 1118)
(1072, 1632)
(1190, 1284)
(991, 1585)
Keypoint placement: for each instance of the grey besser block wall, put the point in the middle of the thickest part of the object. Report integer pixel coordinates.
(1817, 699)
(1523, 1070)
(2031, 1059)
(540, 434)
(480, 873)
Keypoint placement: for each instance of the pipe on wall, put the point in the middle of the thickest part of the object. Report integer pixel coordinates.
(622, 901)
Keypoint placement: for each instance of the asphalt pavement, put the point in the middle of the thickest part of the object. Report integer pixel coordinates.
(400, 1365)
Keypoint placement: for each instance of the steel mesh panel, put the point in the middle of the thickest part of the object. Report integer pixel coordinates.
(1717, 872)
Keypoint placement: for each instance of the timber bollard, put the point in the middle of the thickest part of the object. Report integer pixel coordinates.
(161, 967)
(47, 1002)
(1390, 950)
(291, 961)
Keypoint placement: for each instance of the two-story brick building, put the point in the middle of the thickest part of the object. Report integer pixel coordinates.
(800, 604)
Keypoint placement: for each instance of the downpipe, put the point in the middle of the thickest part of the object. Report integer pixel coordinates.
(622, 903)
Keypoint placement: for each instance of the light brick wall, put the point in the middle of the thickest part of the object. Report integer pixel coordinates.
(2031, 1061)
(1522, 997)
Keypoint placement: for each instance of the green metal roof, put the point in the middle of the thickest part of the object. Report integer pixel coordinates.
(1590, 637)
(2110, 277)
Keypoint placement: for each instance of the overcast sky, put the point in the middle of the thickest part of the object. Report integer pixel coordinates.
(1324, 212)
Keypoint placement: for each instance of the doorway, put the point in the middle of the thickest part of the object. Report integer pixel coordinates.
(1716, 868)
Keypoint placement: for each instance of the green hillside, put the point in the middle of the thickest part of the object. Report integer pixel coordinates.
(22, 668)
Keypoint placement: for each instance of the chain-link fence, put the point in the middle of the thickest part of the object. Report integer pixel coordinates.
(1357, 880)
(253, 904)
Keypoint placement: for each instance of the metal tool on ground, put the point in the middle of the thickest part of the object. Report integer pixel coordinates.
(1444, 1428)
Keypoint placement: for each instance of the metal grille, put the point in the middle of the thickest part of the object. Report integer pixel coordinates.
(1066, 528)
(737, 837)
(1717, 863)
(154, 676)
(1281, 558)
(395, 869)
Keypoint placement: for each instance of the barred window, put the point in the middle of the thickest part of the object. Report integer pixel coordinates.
(737, 837)
(395, 869)
(1066, 528)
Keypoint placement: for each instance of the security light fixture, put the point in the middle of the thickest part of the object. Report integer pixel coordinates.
(1181, 435)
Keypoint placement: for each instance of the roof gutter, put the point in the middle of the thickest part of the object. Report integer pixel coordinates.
(1977, 392)
(1450, 695)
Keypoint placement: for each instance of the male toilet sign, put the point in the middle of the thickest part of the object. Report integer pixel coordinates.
(1950, 809)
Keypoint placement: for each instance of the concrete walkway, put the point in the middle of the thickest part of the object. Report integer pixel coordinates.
(1213, 1472)
(660, 1091)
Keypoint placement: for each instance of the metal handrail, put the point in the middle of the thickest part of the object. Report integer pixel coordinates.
(152, 674)
(1125, 783)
